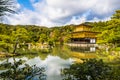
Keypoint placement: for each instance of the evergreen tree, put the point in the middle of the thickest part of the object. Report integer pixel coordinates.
(6, 7)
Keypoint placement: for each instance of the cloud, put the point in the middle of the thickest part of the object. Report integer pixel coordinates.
(52, 65)
(61, 12)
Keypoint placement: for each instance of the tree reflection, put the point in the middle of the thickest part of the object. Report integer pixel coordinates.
(90, 70)
(13, 71)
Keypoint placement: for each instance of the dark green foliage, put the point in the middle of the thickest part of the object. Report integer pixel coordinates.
(116, 15)
(31, 33)
(110, 30)
(5, 47)
(109, 33)
(14, 72)
(90, 70)
(43, 38)
(22, 34)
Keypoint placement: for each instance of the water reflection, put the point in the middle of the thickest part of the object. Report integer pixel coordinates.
(12, 70)
(52, 64)
(83, 49)
(61, 57)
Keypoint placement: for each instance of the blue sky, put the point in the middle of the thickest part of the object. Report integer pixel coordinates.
(26, 3)
(62, 12)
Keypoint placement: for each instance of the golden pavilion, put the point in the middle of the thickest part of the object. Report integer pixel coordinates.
(82, 34)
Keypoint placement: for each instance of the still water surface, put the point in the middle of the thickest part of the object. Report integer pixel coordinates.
(61, 57)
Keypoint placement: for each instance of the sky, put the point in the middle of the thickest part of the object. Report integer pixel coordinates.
(61, 12)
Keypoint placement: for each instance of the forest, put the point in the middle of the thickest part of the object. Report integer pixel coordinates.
(12, 34)
(15, 40)
(110, 30)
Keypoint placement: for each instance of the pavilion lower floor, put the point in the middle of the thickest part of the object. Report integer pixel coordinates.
(83, 40)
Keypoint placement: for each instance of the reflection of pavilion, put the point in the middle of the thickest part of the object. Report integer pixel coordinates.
(83, 49)
(83, 36)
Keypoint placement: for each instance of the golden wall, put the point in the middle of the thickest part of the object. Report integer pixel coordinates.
(84, 35)
(81, 28)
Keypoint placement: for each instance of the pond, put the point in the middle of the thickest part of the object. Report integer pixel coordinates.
(59, 58)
